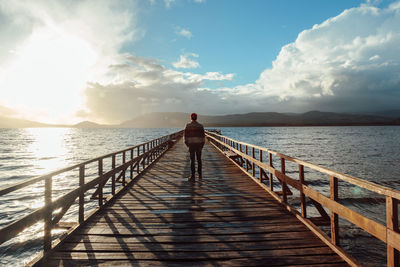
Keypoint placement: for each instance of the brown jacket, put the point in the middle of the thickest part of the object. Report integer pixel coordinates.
(194, 134)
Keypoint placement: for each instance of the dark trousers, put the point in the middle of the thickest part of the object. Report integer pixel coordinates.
(195, 151)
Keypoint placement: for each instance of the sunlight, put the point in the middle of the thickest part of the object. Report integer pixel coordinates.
(47, 77)
(48, 148)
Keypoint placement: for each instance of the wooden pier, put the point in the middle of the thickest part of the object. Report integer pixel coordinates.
(224, 219)
(232, 217)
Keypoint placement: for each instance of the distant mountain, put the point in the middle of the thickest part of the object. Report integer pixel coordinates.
(179, 119)
(395, 113)
(157, 119)
(88, 124)
(317, 118)
(6, 122)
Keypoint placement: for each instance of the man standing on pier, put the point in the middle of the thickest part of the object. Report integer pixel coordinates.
(194, 139)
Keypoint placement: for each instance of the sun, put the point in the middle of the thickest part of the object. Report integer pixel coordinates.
(47, 77)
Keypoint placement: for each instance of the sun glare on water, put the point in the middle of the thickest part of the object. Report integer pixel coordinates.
(46, 79)
(48, 147)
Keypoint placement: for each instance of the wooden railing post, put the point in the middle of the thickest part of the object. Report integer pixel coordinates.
(283, 171)
(81, 212)
(131, 167)
(302, 196)
(260, 155)
(271, 176)
(241, 158)
(113, 177)
(334, 217)
(253, 154)
(247, 161)
(392, 224)
(144, 159)
(148, 156)
(47, 216)
(151, 153)
(123, 162)
(100, 184)
(138, 165)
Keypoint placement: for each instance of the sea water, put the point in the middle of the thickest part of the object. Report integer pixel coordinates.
(370, 153)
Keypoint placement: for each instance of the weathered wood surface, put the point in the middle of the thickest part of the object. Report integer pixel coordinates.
(225, 219)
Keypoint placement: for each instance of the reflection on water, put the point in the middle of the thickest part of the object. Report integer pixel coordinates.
(48, 145)
(371, 153)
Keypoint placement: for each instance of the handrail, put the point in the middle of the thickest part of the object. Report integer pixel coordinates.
(345, 177)
(238, 152)
(146, 153)
(9, 189)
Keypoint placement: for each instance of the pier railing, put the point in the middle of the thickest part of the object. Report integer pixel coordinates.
(134, 161)
(258, 161)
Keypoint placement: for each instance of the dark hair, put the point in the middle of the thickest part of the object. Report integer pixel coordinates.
(193, 116)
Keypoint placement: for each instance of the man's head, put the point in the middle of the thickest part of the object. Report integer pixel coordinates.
(193, 116)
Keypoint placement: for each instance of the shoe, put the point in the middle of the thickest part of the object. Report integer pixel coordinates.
(191, 178)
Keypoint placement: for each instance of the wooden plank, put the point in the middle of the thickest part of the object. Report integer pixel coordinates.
(194, 246)
(126, 230)
(188, 255)
(198, 224)
(315, 260)
(189, 238)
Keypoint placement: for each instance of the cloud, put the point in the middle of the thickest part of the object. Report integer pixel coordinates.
(142, 85)
(350, 62)
(186, 63)
(183, 32)
(49, 49)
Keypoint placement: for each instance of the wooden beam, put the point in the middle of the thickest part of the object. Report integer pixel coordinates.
(81, 211)
(47, 214)
(283, 183)
(392, 224)
(303, 202)
(131, 167)
(123, 162)
(334, 217)
(320, 209)
(59, 215)
(113, 176)
(271, 176)
(253, 166)
(260, 170)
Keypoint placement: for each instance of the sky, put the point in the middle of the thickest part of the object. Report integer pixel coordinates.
(110, 61)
